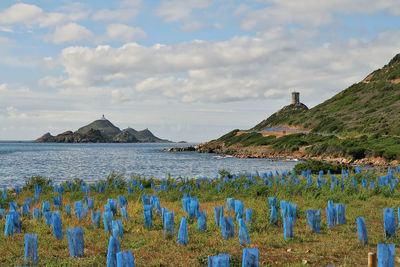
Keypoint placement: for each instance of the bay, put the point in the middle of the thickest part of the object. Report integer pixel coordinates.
(92, 162)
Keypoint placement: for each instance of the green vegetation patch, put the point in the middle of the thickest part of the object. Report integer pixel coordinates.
(315, 166)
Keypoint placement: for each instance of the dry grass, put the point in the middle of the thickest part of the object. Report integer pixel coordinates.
(338, 246)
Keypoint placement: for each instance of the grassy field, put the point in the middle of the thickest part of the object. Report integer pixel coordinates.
(337, 246)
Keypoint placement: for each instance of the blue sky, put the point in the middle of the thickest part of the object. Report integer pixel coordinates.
(186, 69)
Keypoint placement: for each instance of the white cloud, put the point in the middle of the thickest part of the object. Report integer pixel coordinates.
(176, 10)
(69, 33)
(122, 33)
(131, 3)
(311, 13)
(268, 65)
(14, 113)
(30, 15)
(120, 15)
(20, 13)
(56, 18)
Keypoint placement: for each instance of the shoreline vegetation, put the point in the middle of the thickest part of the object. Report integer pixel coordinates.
(364, 193)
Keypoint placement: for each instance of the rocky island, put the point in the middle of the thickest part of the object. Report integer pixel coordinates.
(102, 131)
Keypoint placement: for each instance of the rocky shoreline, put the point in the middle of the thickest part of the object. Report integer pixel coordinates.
(239, 151)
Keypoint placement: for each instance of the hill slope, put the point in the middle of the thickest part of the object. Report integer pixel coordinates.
(368, 107)
(362, 125)
(107, 129)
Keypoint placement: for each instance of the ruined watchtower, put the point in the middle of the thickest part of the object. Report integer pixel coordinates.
(295, 98)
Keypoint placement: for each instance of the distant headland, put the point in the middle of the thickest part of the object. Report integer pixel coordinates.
(359, 125)
(102, 131)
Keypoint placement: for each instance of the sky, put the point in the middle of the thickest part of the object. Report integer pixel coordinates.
(186, 69)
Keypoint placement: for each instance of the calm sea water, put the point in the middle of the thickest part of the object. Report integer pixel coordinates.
(91, 162)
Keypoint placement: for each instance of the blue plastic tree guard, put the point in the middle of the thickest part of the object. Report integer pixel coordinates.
(249, 215)
(122, 202)
(163, 211)
(9, 226)
(389, 222)
(113, 206)
(77, 206)
(292, 211)
(218, 214)
(202, 221)
(314, 220)
(76, 242)
(169, 223)
(16, 221)
(272, 201)
(124, 214)
(287, 227)
(250, 257)
(183, 233)
(90, 203)
(341, 213)
(193, 209)
(25, 211)
(239, 208)
(79, 214)
(96, 218)
(147, 218)
(45, 206)
(68, 210)
(385, 255)
(227, 227)
(113, 249)
(13, 206)
(185, 204)
(117, 228)
(31, 249)
(274, 216)
(57, 228)
(221, 260)
(57, 202)
(37, 214)
(362, 231)
(107, 219)
(331, 216)
(47, 218)
(244, 237)
(125, 259)
(230, 204)
(284, 207)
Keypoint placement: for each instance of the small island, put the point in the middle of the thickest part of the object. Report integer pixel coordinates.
(102, 131)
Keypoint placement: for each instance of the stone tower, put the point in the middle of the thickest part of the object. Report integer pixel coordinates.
(295, 98)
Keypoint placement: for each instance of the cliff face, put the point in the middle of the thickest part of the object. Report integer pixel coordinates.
(102, 131)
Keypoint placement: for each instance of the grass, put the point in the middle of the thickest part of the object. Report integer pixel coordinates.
(333, 246)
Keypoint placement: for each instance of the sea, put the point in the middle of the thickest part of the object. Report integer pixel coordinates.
(92, 162)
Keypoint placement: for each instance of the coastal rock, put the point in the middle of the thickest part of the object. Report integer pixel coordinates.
(181, 149)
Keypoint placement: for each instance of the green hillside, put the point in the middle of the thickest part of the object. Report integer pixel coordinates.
(360, 124)
(368, 107)
(107, 129)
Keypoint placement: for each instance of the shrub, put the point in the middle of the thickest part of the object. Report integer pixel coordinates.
(315, 166)
(39, 180)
